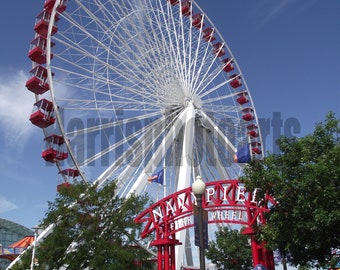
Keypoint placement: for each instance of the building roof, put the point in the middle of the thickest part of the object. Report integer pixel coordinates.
(15, 227)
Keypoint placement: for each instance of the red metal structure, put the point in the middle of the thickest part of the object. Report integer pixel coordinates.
(242, 98)
(248, 114)
(43, 113)
(228, 65)
(37, 51)
(54, 148)
(226, 201)
(219, 49)
(186, 4)
(37, 82)
(49, 4)
(235, 80)
(208, 34)
(67, 177)
(252, 131)
(42, 22)
(197, 20)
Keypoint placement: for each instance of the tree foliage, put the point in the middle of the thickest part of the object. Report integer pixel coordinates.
(304, 179)
(230, 251)
(94, 230)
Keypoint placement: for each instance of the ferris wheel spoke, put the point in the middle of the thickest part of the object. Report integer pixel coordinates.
(176, 37)
(143, 151)
(111, 124)
(169, 38)
(164, 52)
(212, 100)
(222, 110)
(125, 140)
(138, 149)
(219, 134)
(202, 58)
(119, 161)
(201, 76)
(213, 89)
(78, 77)
(217, 159)
(206, 79)
(158, 49)
(122, 101)
(181, 37)
(157, 155)
(125, 72)
(80, 80)
(107, 106)
(213, 152)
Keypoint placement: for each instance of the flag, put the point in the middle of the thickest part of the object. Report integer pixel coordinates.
(157, 177)
(205, 228)
(242, 154)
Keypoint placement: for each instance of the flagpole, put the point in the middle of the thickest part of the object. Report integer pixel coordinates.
(164, 179)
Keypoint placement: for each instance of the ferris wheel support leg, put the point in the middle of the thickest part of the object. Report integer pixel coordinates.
(217, 162)
(185, 171)
(219, 134)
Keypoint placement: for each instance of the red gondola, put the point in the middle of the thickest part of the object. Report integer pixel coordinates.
(186, 8)
(37, 51)
(236, 80)
(173, 2)
(242, 98)
(49, 4)
(37, 83)
(252, 130)
(256, 148)
(208, 34)
(219, 49)
(42, 21)
(54, 148)
(43, 113)
(247, 114)
(63, 185)
(73, 173)
(197, 20)
(67, 177)
(228, 65)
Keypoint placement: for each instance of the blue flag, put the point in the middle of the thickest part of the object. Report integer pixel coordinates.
(157, 177)
(242, 155)
(205, 228)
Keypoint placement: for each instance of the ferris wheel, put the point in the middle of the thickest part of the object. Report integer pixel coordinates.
(138, 90)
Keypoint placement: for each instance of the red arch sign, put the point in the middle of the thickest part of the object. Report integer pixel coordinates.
(226, 201)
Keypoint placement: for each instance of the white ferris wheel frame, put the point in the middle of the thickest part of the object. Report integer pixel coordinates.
(184, 126)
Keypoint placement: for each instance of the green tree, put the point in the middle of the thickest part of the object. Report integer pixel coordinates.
(94, 230)
(231, 250)
(304, 179)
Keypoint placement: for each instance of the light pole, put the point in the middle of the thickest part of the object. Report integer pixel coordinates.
(198, 188)
(34, 246)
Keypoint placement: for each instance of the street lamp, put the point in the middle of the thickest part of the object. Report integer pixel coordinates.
(198, 188)
(34, 246)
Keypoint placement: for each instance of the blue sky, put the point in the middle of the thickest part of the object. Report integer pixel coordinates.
(288, 51)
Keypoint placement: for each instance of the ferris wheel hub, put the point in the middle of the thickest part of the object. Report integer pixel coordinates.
(197, 101)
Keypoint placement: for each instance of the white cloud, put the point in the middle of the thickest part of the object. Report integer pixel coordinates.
(6, 205)
(269, 11)
(16, 104)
